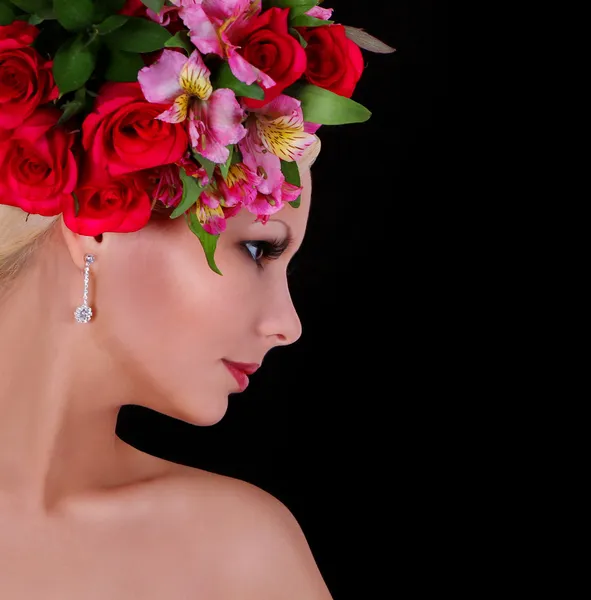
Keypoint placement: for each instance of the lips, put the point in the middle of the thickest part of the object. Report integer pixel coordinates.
(241, 371)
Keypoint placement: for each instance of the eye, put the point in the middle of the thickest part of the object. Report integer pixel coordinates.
(262, 251)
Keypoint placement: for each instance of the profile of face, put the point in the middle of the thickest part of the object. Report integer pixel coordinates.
(167, 321)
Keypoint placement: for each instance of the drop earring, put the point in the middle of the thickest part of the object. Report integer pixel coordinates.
(83, 313)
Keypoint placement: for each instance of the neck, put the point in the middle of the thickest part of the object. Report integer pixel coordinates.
(58, 411)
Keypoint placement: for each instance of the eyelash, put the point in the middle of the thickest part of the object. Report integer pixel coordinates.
(271, 250)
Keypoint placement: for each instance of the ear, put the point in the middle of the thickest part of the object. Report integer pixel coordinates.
(79, 245)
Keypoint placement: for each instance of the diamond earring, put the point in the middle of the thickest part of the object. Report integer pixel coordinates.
(83, 313)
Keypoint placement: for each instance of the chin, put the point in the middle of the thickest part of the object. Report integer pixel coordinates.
(203, 412)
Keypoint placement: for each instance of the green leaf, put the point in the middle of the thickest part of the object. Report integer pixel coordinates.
(191, 192)
(123, 66)
(366, 41)
(74, 15)
(226, 79)
(327, 108)
(155, 5)
(35, 20)
(33, 6)
(302, 7)
(106, 8)
(298, 36)
(76, 203)
(208, 241)
(207, 164)
(138, 35)
(236, 156)
(291, 172)
(297, 6)
(73, 107)
(308, 21)
(181, 40)
(111, 23)
(226, 166)
(74, 63)
(6, 13)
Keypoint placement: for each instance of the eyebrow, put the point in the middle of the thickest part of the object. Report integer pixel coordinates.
(289, 230)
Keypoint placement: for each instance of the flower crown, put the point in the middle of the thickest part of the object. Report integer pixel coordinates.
(111, 106)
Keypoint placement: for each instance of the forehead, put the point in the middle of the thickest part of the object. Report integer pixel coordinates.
(294, 219)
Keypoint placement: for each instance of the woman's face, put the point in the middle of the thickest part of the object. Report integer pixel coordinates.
(171, 323)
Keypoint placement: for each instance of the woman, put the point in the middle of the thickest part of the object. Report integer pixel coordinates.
(84, 515)
(112, 126)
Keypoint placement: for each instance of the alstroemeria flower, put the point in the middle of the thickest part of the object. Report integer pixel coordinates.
(240, 187)
(275, 132)
(214, 118)
(264, 205)
(169, 187)
(213, 27)
(210, 212)
(280, 126)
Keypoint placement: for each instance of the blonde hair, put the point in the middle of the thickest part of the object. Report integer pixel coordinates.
(20, 236)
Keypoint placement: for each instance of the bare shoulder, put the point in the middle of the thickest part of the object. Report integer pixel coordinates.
(257, 537)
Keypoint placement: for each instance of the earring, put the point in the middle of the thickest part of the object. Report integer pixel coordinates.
(83, 313)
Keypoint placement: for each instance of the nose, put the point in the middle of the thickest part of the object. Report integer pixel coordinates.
(279, 323)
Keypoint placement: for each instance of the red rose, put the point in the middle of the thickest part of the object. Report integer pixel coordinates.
(26, 80)
(334, 61)
(134, 8)
(17, 35)
(120, 205)
(38, 171)
(267, 44)
(122, 135)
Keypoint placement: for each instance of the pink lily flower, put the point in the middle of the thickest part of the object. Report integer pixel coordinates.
(214, 118)
(213, 27)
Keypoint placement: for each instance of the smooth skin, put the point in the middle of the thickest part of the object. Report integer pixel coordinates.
(85, 516)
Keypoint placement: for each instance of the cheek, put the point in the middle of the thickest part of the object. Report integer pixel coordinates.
(168, 314)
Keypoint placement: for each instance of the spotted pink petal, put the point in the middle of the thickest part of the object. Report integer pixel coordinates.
(263, 163)
(177, 113)
(213, 219)
(160, 82)
(264, 205)
(194, 77)
(240, 186)
(280, 126)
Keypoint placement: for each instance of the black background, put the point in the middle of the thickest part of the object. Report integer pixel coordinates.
(334, 426)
